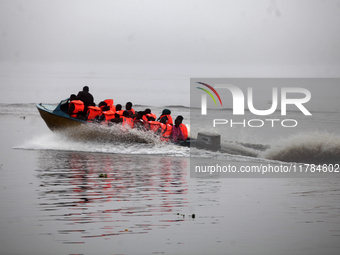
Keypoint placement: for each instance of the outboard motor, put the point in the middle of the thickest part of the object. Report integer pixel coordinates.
(210, 141)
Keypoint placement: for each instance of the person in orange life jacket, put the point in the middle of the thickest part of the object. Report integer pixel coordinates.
(100, 118)
(127, 122)
(182, 126)
(166, 130)
(117, 119)
(177, 134)
(139, 122)
(119, 110)
(64, 107)
(128, 107)
(102, 104)
(93, 112)
(85, 97)
(73, 97)
(147, 113)
(166, 113)
(107, 115)
(153, 124)
(75, 108)
(109, 103)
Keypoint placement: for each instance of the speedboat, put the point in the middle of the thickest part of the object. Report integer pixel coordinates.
(57, 120)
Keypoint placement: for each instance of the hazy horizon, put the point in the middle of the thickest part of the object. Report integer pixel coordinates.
(250, 33)
(49, 45)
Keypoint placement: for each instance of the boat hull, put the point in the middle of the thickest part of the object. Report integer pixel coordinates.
(56, 119)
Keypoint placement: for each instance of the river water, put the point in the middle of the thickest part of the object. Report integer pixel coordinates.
(60, 196)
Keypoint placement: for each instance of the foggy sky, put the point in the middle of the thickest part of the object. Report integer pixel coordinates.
(222, 32)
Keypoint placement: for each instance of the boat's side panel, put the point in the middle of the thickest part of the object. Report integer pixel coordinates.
(57, 122)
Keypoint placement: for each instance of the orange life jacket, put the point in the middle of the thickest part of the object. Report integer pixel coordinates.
(166, 132)
(184, 130)
(132, 110)
(92, 112)
(154, 125)
(110, 104)
(127, 122)
(169, 121)
(120, 112)
(145, 117)
(109, 115)
(78, 107)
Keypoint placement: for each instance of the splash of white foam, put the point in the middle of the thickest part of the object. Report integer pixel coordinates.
(314, 147)
(55, 141)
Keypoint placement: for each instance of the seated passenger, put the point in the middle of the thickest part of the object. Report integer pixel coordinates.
(147, 113)
(166, 113)
(177, 134)
(182, 126)
(109, 103)
(72, 97)
(102, 104)
(153, 124)
(166, 130)
(139, 123)
(108, 114)
(128, 107)
(64, 107)
(127, 121)
(93, 112)
(76, 108)
(119, 110)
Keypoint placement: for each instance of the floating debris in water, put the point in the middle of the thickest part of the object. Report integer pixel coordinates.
(190, 215)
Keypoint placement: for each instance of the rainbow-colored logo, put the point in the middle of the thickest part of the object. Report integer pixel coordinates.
(209, 92)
